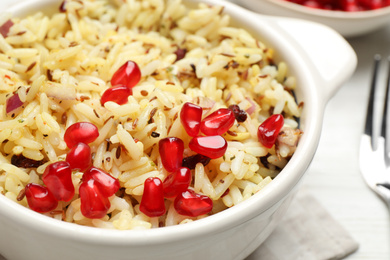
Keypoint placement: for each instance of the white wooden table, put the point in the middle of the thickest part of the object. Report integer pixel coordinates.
(334, 177)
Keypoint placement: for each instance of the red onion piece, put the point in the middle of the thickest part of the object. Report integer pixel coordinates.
(13, 103)
(59, 91)
(252, 108)
(4, 29)
(205, 103)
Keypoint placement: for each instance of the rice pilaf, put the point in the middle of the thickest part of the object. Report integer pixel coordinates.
(59, 66)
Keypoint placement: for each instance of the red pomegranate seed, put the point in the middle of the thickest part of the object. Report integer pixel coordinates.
(79, 157)
(349, 5)
(268, 131)
(300, 2)
(128, 74)
(329, 2)
(152, 202)
(369, 4)
(171, 151)
(177, 182)
(312, 4)
(58, 179)
(39, 198)
(190, 117)
(93, 203)
(343, 5)
(107, 184)
(218, 122)
(211, 146)
(190, 203)
(117, 94)
(82, 132)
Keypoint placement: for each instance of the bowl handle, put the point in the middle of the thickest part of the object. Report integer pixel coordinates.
(332, 57)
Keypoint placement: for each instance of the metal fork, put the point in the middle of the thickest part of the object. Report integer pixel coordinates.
(374, 146)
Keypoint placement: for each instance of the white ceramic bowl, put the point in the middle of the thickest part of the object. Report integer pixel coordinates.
(321, 60)
(348, 24)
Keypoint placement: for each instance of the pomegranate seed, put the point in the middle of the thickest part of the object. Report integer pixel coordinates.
(128, 74)
(343, 5)
(268, 131)
(117, 94)
(93, 203)
(152, 202)
(297, 1)
(107, 184)
(190, 203)
(171, 151)
(190, 117)
(211, 146)
(349, 5)
(191, 161)
(370, 4)
(82, 132)
(79, 157)
(312, 4)
(39, 198)
(58, 179)
(218, 122)
(177, 182)
(327, 2)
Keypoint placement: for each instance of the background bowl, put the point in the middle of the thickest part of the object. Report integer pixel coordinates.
(320, 59)
(348, 24)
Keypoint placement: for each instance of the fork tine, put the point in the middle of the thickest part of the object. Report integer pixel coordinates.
(385, 130)
(374, 157)
(368, 129)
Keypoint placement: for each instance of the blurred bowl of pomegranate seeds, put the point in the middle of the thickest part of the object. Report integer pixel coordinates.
(156, 129)
(350, 18)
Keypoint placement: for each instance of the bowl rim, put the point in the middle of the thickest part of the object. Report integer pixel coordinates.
(272, 194)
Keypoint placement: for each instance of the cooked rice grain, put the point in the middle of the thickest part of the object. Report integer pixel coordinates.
(60, 65)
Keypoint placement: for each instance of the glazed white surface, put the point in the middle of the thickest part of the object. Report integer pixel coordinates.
(334, 177)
